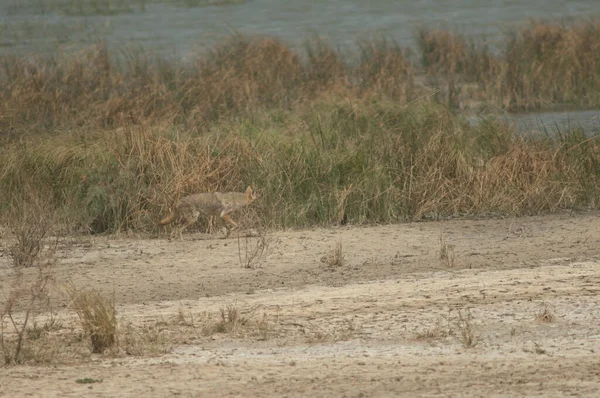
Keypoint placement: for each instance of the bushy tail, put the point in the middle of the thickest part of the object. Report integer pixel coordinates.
(168, 219)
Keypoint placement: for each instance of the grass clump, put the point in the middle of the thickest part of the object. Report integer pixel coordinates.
(96, 88)
(236, 322)
(231, 320)
(144, 340)
(434, 332)
(115, 140)
(537, 65)
(98, 318)
(545, 315)
(446, 252)
(334, 257)
(366, 162)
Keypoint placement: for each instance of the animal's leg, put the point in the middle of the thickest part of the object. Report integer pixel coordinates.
(188, 219)
(228, 220)
(211, 224)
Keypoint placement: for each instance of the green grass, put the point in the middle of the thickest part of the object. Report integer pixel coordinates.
(379, 162)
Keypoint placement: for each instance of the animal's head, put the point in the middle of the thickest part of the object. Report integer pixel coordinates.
(251, 194)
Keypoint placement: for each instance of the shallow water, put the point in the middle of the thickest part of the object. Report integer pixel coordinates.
(172, 28)
(548, 122)
(552, 122)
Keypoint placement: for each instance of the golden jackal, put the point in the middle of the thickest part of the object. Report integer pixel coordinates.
(219, 204)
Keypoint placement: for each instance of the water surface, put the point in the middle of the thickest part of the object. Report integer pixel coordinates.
(169, 27)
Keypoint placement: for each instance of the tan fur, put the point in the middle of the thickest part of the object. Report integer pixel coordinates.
(219, 204)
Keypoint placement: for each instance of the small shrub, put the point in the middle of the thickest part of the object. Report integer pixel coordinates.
(33, 298)
(31, 222)
(255, 250)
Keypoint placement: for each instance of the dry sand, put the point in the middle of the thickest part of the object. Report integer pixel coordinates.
(385, 323)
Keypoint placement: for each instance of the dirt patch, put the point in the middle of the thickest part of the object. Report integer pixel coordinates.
(386, 322)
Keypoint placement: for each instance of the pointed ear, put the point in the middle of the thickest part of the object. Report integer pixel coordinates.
(249, 191)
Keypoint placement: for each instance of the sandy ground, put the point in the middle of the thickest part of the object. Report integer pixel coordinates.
(385, 323)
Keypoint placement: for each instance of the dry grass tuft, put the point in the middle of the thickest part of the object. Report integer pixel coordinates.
(335, 257)
(434, 332)
(343, 332)
(98, 317)
(545, 315)
(446, 252)
(184, 318)
(143, 340)
(235, 322)
(231, 321)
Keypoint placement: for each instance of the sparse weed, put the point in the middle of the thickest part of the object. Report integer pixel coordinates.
(545, 315)
(184, 318)
(88, 380)
(264, 328)
(31, 223)
(236, 322)
(539, 350)
(230, 321)
(255, 250)
(335, 257)
(466, 331)
(436, 331)
(35, 332)
(143, 340)
(42, 352)
(317, 335)
(32, 298)
(446, 252)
